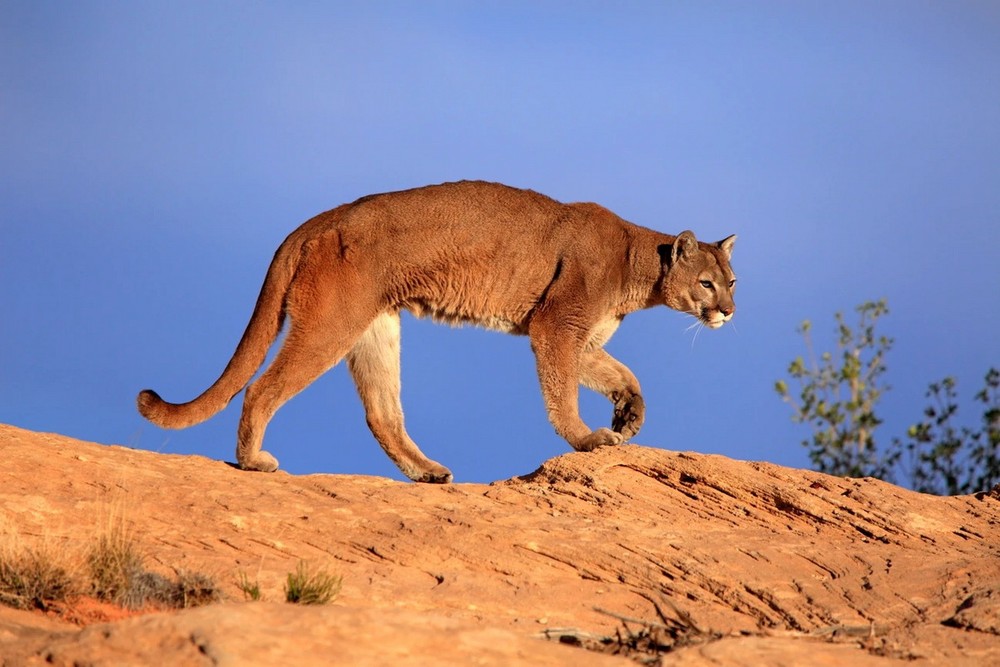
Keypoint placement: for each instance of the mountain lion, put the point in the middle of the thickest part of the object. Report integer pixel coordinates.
(513, 260)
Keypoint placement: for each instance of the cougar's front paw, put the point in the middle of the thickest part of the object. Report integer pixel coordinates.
(630, 413)
(602, 437)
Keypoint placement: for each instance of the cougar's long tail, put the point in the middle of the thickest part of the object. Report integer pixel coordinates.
(261, 332)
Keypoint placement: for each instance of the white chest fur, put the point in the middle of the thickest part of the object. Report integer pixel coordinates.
(602, 332)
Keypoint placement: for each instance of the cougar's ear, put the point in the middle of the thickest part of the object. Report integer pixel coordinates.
(684, 246)
(726, 245)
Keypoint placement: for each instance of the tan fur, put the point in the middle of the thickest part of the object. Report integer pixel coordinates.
(512, 260)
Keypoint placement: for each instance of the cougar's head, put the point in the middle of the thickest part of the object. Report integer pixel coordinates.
(698, 280)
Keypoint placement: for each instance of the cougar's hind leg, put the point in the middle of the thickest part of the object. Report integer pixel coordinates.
(374, 365)
(328, 311)
(295, 367)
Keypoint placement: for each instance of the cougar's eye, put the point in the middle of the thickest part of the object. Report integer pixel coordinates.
(707, 284)
(732, 283)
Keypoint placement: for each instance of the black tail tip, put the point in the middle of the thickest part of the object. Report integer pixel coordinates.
(148, 401)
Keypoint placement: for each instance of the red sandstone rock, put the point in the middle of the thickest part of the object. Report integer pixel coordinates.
(774, 566)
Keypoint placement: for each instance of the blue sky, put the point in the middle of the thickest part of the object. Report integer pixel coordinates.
(154, 154)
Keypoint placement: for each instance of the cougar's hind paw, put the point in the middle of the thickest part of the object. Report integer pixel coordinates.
(261, 462)
(433, 474)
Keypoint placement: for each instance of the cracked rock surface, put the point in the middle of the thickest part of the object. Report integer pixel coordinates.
(773, 566)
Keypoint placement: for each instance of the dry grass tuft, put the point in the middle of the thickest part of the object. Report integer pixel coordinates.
(307, 587)
(251, 589)
(34, 578)
(194, 589)
(111, 569)
(116, 569)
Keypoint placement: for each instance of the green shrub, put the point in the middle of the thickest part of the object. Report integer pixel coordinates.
(837, 398)
(838, 394)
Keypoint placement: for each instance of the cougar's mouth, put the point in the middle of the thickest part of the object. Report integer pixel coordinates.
(714, 320)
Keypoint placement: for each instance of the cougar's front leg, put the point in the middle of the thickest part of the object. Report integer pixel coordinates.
(558, 356)
(608, 376)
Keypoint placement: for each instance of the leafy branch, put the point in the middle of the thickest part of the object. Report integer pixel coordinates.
(837, 398)
(948, 460)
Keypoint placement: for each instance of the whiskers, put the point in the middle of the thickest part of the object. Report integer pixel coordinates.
(697, 325)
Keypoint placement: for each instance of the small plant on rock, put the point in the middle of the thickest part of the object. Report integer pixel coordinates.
(115, 568)
(251, 589)
(307, 587)
(35, 578)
